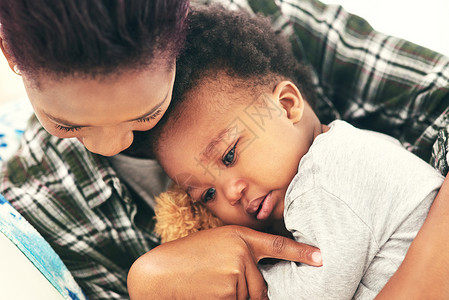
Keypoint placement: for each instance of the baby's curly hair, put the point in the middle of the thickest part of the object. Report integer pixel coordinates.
(244, 47)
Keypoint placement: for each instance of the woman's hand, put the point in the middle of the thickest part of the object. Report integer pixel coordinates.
(424, 272)
(219, 263)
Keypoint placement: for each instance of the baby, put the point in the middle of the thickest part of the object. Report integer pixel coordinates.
(242, 139)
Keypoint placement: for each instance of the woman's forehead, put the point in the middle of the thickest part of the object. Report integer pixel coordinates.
(135, 93)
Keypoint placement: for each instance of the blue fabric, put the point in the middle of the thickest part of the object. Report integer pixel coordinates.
(38, 251)
(13, 121)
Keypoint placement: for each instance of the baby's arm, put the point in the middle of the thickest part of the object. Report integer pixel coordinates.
(346, 243)
(393, 251)
(425, 269)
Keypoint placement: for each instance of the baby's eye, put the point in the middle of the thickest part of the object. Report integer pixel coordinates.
(208, 195)
(229, 158)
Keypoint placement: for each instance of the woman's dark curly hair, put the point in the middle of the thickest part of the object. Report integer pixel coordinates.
(91, 37)
(244, 46)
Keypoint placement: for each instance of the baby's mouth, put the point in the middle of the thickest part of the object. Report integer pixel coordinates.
(266, 207)
(255, 205)
(260, 207)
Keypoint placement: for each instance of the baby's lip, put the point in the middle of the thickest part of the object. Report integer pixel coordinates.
(253, 205)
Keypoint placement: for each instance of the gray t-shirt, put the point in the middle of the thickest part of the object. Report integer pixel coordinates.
(361, 199)
(144, 176)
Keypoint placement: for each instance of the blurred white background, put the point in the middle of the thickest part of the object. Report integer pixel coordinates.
(11, 86)
(422, 22)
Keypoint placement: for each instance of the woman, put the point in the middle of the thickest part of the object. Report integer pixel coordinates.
(94, 71)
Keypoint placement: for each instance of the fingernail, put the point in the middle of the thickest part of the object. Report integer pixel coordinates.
(317, 258)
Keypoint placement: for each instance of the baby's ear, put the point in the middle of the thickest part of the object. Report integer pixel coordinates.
(291, 100)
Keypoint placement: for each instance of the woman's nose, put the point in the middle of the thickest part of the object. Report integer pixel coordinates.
(108, 141)
(234, 190)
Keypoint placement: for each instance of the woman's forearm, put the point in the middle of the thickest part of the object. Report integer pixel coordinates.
(424, 272)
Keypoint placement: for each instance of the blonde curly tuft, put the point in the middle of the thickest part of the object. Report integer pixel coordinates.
(178, 215)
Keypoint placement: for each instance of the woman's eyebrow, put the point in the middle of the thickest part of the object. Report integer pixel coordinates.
(70, 124)
(63, 121)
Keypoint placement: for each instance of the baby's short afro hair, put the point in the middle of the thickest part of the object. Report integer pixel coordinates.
(246, 46)
(242, 45)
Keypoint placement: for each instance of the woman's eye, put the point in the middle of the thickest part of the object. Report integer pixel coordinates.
(208, 195)
(229, 158)
(150, 118)
(67, 129)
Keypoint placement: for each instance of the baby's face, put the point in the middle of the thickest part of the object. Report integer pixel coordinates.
(237, 159)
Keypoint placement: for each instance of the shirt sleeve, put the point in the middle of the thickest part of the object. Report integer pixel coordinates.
(345, 241)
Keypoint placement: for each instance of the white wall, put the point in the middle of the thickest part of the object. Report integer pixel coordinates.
(422, 22)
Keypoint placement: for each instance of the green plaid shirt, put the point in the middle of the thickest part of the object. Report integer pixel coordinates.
(99, 227)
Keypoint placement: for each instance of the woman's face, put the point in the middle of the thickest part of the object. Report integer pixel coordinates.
(102, 113)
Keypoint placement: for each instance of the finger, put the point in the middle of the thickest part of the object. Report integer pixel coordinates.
(266, 245)
(257, 287)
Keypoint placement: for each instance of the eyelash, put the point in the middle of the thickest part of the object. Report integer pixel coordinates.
(203, 196)
(227, 164)
(67, 129)
(143, 120)
(150, 118)
(234, 155)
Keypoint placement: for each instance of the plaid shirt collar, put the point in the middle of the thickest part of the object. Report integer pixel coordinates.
(95, 177)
